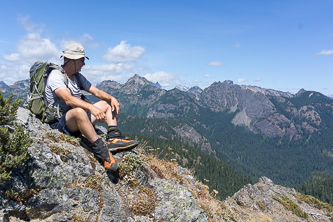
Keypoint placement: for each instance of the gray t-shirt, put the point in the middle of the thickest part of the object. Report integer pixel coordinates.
(56, 80)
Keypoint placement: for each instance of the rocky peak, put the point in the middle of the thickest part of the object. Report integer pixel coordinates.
(109, 84)
(228, 82)
(221, 96)
(157, 85)
(182, 88)
(300, 92)
(136, 83)
(3, 84)
(196, 90)
(138, 80)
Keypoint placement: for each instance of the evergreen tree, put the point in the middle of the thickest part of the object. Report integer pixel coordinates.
(13, 147)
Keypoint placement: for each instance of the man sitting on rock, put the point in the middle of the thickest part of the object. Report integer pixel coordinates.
(79, 116)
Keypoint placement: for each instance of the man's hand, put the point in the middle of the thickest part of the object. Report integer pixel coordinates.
(115, 105)
(98, 113)
(113, 102)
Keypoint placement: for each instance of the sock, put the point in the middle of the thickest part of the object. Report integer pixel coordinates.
(110, 128)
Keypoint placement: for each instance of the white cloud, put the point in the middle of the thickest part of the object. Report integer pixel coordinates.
(207, 75)
(124, 53)
(241, 80)
(325, 52)
(33, 47)
(85, 40)
(30, 48)
(166, 80)
(257, 80)
(13, 57)
(237, 45)
(98, 73)
(215, 63)
(12, 72)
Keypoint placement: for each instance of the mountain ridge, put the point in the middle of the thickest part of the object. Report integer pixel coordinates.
(261, 131)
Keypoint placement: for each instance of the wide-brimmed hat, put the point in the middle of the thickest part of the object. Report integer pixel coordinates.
(74, 51)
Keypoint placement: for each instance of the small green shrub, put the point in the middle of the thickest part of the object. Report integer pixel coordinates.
(13, 147)
(290, 205)
(314, 202)
(8, 108)
(69, 139)
(130, 163)
(21, 196)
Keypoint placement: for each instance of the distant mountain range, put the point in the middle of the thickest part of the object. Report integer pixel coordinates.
(254, 107)
(263, 132)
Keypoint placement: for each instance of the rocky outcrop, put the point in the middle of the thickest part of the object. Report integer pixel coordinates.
(192, 137)
(265, 201)
(62, 181)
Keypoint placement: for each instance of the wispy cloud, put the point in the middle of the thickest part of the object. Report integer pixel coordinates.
(325, 52)
(207, 76)
(124, 53)
(241, 80)
(166, 80)
(257, 80)
(112, 71)
(215, 63)
(237, 45)
(86, 40)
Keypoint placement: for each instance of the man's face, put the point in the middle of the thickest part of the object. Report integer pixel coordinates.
(78, 64)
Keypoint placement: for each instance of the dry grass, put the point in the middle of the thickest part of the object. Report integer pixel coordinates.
(146, 203)
(214, 208)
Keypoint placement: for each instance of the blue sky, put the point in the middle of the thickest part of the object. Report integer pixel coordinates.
(282, 45)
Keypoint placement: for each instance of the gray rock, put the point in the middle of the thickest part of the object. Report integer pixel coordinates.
(176, 202)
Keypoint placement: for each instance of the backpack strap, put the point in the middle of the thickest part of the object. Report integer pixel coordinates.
(49, 68)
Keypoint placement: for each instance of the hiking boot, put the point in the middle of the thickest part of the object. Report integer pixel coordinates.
(110, 165)
(117, 142)
(101, 151)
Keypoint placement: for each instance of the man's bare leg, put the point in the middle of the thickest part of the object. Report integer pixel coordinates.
(77, 119)
(110, 119)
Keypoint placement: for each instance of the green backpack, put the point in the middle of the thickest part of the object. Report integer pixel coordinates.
(39, 72)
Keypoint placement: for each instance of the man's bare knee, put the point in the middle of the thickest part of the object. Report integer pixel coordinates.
(103, 105)
(79, 114)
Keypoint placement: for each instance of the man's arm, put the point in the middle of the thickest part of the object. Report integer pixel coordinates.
(64, 94)
(115, 106)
